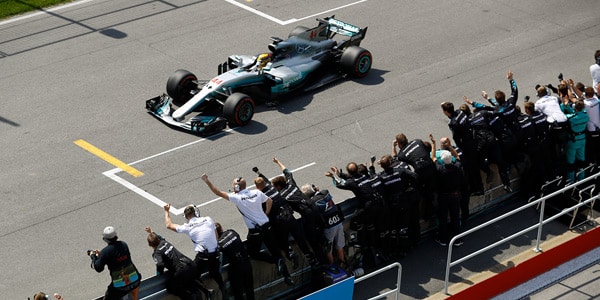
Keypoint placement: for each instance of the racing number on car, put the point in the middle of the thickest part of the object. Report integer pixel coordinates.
(217, 81)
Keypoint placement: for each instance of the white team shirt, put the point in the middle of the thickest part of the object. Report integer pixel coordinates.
(202, 232)
(249, 202)
(592, 107)
(595, 72)
(548, 105)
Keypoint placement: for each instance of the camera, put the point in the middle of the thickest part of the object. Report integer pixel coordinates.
(90, 251)
(255, 169)
(373, 158)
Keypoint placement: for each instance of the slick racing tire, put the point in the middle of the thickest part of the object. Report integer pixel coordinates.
(238, 109)
(179, 86)
(297, 31)
(356, 61)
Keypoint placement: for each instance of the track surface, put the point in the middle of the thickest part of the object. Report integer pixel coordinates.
(83, 72)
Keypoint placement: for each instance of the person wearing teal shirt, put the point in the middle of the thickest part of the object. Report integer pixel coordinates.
(575, 148)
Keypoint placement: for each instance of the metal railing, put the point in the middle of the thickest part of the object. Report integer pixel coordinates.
(539, 225)
(375, 273)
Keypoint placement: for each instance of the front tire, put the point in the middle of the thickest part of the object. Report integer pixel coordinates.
(238, 109)
(356, 61)
(180, 85)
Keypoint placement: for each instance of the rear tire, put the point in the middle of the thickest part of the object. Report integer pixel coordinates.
(298, 30)
(179, 86)
(238, 109)
(356, 61)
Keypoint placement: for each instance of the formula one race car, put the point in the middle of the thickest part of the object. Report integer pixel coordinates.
(308, 59)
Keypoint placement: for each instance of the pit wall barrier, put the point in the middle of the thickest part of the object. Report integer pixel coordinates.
(269, 285)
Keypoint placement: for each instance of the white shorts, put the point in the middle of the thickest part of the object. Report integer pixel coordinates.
(335, 236)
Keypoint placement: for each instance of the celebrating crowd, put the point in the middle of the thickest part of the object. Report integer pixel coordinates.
(556, 135)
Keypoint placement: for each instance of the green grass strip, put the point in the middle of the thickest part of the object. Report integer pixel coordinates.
(9, 8)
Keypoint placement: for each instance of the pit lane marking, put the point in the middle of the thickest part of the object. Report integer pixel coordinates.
(292, 20)
(112, 174)
(108, 158)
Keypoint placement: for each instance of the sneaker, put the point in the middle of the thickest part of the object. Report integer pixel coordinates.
(312, 261)
(211, 294)
(442, 243)
(288, 280)
(280, 263)
(295, 260)
(458, 243)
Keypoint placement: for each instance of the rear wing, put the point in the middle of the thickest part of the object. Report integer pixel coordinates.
(340, 27)
(334, 26)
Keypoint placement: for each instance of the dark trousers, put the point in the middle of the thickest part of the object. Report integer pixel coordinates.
(314, 234)
(472, 172)
(183, 283)
(254, 241)
(414, 226)
(592, 146)
(283, 229)
(374, 221)
(427, 189)
(496, 156)
(559, 135)
(210, 262)
(449, 205)
(241, 279)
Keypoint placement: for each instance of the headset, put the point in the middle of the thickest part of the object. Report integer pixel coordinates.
(598, 60)
(196, 211)
(236, 187)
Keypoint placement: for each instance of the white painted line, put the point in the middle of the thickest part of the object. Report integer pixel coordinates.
(280, 22)
(254, 11)
(179, 147)
(31, 15)
(323, 12)
(112, 174)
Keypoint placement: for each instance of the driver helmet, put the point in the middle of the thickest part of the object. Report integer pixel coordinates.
(263, 60)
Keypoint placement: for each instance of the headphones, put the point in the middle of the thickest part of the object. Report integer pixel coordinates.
(236, 187)
(196, 212)
(598, 60)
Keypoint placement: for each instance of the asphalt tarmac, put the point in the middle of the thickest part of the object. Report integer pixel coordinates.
(80, 74)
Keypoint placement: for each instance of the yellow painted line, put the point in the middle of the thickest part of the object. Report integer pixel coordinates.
(108, 158)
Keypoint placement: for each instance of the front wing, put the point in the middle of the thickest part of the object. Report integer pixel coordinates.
(160, 107)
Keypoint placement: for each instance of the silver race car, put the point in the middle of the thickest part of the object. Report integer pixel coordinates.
(309, 58)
